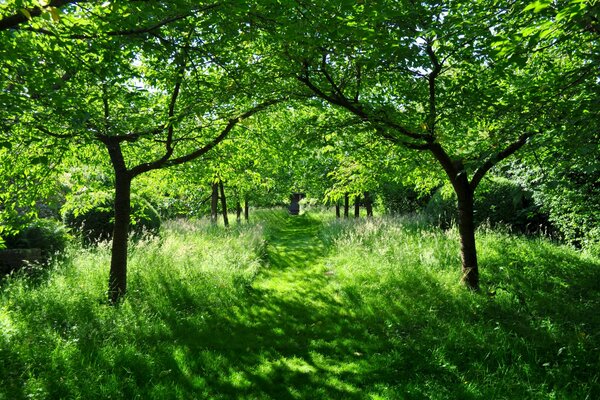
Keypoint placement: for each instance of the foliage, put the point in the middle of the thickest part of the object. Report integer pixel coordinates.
(401, 199)
(565, 179)
(156, 84)
(48, 235)
(498, 201)
(91, 215)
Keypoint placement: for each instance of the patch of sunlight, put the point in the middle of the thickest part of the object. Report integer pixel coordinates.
(374, 396)
(278, 331)
(299, 365)
(7, 328)
(294, 364)
(265, 368)
(336, 383)
(238, 380)
(180, 358)
(321, 362)
(428, 258)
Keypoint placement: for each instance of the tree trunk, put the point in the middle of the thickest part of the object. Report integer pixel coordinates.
(369, 204)
(117, 281)
(346, 205)
(356, 206)
(214, 202)
(466, 229)
(337, 210)
(223, 204)
(238, 211)
(246, 210)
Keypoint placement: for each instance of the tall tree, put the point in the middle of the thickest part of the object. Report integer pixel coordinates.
(427, 76)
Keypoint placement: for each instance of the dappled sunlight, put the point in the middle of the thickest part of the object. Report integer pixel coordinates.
(299, 308)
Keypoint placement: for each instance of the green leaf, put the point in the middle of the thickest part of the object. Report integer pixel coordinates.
(26, 13)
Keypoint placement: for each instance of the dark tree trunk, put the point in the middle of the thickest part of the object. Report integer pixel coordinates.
(246, 210)
(466, 229)
(238, 211)
(223, 204)
(346, 205)
(356, 206)
(464, 190)
(337, 210)
(369, 204)
(117, 281)
(214, 203)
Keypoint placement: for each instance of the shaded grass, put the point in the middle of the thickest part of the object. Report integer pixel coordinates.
(308, 307)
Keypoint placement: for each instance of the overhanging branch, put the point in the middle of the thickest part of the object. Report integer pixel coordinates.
(496, 158)
(165, 162)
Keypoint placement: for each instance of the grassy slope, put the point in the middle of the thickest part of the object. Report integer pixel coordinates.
(344, 310)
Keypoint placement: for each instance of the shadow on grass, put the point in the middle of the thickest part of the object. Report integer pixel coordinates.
(300, 333)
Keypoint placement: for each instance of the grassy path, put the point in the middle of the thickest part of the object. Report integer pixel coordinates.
(391, 322)
(293, 338)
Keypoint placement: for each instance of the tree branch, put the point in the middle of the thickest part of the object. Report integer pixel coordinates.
(496, 158)
(13, 21)
(355, 108)
(165, 162)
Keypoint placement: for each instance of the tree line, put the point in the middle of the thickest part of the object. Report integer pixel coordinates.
(350, 93)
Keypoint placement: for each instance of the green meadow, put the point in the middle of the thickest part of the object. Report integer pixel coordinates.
(306, 307)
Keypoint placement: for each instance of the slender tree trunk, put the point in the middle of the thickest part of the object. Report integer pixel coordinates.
(337, 210)
(246, 210)
(346, 205)
(214, 203)
(466, 229)
(238, 211)
(356, 206)
(117, 281)
(369, 204)
(223, 204)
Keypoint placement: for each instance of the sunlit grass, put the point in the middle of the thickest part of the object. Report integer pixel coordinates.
(307, 307)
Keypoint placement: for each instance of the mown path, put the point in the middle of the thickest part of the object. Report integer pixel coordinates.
(294, 337)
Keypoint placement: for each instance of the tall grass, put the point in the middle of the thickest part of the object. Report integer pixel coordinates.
(60, 339)
(533, 332)
(307, 307)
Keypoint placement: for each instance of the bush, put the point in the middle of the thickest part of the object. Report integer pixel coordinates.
(498, 201)
(401, 199)
(49, 235)
(95, 219)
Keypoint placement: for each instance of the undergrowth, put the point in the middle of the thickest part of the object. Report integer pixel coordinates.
(307, 308)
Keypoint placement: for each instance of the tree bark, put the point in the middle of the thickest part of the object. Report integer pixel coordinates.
(369, 204)
(214, 203)
(238, 211)
(356, 206)
(346, 205)
(337, 210)
(117, 281)
(466, 229)
(246, 210)
(223, 204)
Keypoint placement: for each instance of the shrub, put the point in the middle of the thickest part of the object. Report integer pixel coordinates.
(93, 216)
(49, 235)
(402, 199)
(498, 201)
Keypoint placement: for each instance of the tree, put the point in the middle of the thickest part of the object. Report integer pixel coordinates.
(428, 77)
(152, 98)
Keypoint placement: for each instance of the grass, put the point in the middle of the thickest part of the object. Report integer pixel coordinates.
(308, 307)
